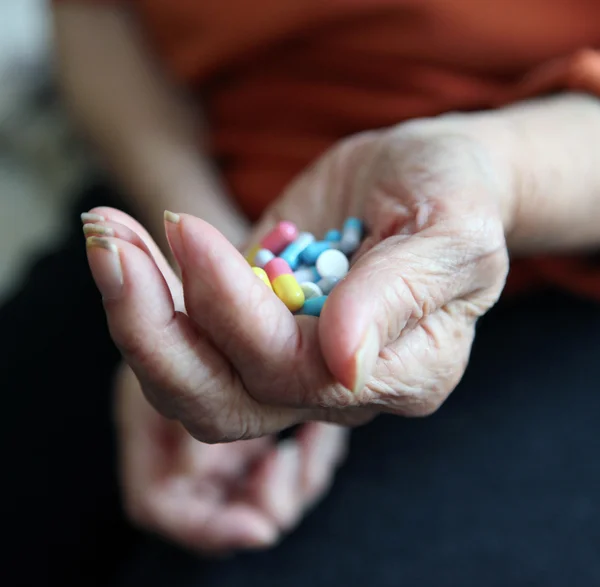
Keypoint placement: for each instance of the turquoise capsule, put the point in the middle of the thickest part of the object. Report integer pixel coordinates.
(293, 251)
(312, 252)
(313, 306)
(333, 236)
(351, 235)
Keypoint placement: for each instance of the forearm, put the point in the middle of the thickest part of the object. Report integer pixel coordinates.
(553, 148)
(144, 131)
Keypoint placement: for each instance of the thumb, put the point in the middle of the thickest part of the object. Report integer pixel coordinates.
(390, 289)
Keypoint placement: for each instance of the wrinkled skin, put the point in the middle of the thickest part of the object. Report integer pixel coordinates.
(222, 355)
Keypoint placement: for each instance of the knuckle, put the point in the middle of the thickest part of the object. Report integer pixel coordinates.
(132, 343)
(209, 433)
(221, 430)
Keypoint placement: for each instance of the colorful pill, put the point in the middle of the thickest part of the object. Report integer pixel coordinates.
(351, 235)
(333, 236)
(311, 290)
(262, 257)
(313, 306)
(251, 254)
(326, 284)
(275, 241)
(303, 274)
(311, 252)
(332, 263)
(284, 283)
(262, 275)
(293, 251)
(280, 237)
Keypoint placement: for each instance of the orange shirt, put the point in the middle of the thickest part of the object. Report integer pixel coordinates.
(282, 80)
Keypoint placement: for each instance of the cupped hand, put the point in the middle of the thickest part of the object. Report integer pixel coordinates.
(211, 498)
(394, 335)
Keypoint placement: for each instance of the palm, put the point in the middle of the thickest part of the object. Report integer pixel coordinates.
(394, 335)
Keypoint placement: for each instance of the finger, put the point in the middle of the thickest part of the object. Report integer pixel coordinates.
(274, 484)
(297, 472)
(323, 447)
(393, 287)
(105, 213)
(224, 462)
(108, 228)
(276, 355)
(182, 374)
(206, 521)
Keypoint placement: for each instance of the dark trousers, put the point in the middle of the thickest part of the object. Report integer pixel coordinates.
(500, 487)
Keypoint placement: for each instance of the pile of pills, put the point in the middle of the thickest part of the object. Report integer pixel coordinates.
(302, 270)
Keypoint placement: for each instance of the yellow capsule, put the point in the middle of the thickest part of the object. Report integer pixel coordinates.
(262, 275)
(289, 292)
(252, 253)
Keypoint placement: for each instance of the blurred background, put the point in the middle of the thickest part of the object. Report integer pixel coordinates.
(41, 161)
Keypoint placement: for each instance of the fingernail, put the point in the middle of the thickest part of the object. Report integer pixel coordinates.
(172, 228)
(365, 358)
(96, 229)
(172, 217)
(88, 217)
(106, 268)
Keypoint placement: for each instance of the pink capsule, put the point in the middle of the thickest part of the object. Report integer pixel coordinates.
(280, 237)
(284, 283)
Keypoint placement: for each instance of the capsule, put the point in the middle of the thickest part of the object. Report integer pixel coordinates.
(262, 257)
(284, 283)
(332, 263)
(310, 290)
(275, 241)
(326, 284)
(293, 251)
(351, 235)
(313, 306)
(262, 275)
(312, 252)
(333, 236)
(303, 274)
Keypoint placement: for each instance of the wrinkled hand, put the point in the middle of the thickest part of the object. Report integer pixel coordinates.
(224, 497)
(213, 498)
(394, 336)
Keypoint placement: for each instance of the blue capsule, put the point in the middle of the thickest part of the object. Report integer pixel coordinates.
(293, 251)
(333, 236)
(313, 306)
(312, 252)
(351, 236)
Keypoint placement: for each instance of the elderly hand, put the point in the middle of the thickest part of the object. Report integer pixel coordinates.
(394, 335)
(211, 498)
